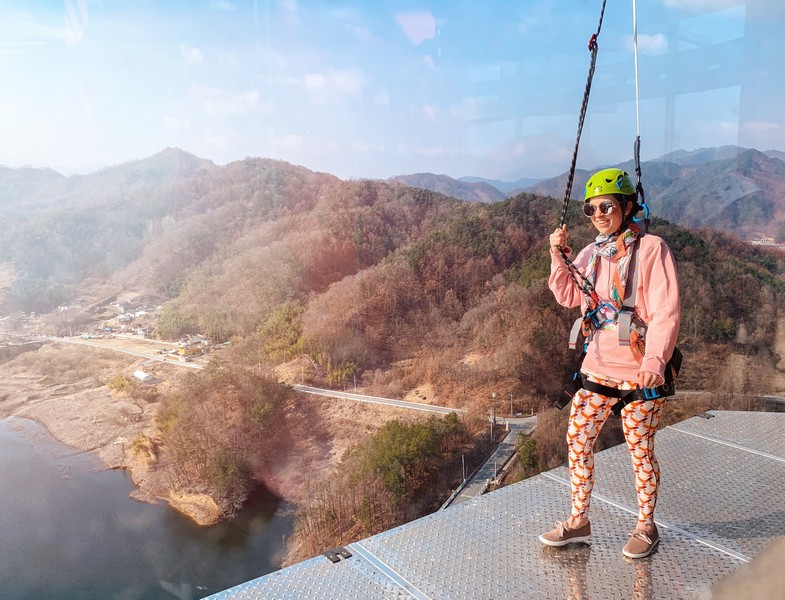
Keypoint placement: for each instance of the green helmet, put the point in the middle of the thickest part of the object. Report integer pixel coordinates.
(609, 181)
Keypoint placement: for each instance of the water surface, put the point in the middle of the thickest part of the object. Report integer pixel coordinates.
(69, 531)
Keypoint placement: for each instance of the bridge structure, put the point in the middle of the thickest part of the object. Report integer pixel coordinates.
(721, 504)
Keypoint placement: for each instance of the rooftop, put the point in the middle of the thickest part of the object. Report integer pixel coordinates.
(722, 503)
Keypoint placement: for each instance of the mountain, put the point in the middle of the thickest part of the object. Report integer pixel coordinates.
(701, 156)
(19, 186)
(741, 191)
(471, 191)
(508, 187)
(775, 154)
(706, 155)
(37, 189)
(556, 186)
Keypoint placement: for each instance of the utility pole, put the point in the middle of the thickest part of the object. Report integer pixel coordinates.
(511, 413)
(490, 420)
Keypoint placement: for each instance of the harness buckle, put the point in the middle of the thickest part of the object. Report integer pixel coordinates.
(650, 393)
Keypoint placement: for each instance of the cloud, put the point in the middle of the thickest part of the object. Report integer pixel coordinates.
(272, 58)
(761, 127)
(361, 33)
(223, 103)
(429, 151)
(334, 85)
(762, 134)
(191, 55)
(172, 122)
(293, 141)
(286, 81)
(315, 82)
(649, 44)
(296, 147)
(364, 147)
(349, 82)
(382, 98)
(417, 26)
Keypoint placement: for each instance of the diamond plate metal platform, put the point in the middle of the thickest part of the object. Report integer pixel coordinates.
(722, 501)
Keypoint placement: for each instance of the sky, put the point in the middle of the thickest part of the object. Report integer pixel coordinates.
(378, 88)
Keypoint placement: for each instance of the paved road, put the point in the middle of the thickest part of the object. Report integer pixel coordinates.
(377, 400)
(478, 483)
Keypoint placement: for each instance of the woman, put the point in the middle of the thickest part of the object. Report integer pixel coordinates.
(610, 203)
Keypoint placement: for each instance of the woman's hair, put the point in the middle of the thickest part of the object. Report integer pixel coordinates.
(623, 200)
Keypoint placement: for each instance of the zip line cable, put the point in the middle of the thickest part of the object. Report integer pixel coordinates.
(635, 57)
(637, 145)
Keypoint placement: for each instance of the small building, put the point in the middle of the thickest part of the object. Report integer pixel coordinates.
(144, 377)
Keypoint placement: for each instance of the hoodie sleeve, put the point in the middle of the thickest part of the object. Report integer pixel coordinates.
(561, 284)
(661, 309)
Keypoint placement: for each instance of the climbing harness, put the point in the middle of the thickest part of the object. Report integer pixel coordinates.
(596, 315)
(628, 322)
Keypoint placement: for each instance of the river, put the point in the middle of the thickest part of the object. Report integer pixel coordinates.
(69, 531)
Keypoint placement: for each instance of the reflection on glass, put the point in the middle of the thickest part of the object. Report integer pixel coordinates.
(573, 562)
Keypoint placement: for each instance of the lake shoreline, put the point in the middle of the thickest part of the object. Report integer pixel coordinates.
(87, 416)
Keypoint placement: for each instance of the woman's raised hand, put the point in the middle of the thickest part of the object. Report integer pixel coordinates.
(558, 239)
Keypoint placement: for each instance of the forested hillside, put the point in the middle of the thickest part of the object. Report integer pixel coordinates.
(361, 275)
(375, 283)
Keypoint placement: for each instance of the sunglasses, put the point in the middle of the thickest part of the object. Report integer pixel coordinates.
(606, 208)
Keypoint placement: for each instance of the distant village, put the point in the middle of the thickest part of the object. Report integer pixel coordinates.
(766, 241)
(109, 319)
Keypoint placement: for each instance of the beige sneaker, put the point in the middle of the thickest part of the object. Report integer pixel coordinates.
(641, 543)
(563, 535)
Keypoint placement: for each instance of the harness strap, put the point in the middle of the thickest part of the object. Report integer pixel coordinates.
(579, 381)
(575, 332)
(626, 318)
(626, 396)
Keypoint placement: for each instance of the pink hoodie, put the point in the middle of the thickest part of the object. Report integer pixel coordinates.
(656, 303)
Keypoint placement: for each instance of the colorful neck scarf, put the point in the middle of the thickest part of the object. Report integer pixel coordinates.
(617, 249)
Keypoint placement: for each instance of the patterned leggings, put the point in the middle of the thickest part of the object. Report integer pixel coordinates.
(639, 420)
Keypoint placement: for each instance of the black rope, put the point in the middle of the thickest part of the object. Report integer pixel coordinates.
(593, 47)
(638, 172)
(584, 284)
